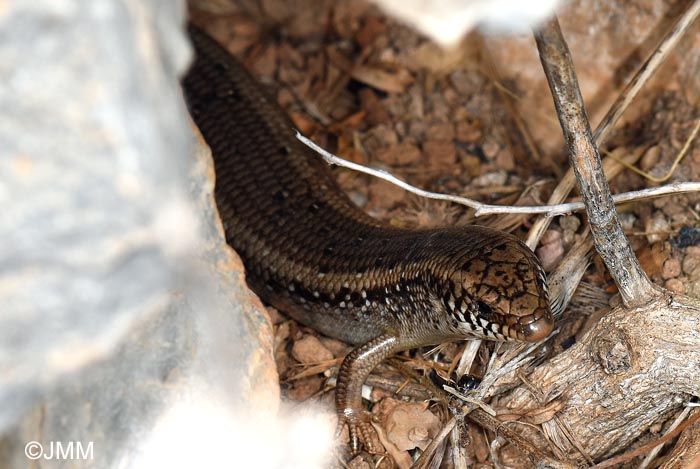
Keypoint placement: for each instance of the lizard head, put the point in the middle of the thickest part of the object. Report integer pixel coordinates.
(499, 291)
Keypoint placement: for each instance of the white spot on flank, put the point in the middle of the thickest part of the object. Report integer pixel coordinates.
(291, 287)
(346, 284)
(364, 294)
(342, 304)
(316, 294)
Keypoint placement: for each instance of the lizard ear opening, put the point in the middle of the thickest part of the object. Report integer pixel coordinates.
(485, 310)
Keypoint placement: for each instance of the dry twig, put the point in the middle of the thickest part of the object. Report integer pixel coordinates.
(618, 108)
(482, 209)
(610, 241)
(633, 368)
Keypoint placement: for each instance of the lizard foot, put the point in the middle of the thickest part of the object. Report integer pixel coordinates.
(362, 433)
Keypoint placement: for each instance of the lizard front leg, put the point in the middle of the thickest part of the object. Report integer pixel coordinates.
(355, 368)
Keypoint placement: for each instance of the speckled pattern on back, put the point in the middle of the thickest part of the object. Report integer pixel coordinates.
(313, 254)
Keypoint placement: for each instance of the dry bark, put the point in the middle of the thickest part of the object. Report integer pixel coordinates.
(639, 363)
(633, 369)
(686, 453)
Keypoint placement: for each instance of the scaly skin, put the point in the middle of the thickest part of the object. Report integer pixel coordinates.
(311, 253)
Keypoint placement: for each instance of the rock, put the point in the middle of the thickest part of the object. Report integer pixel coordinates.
(671, 269)
(551, 250)
(691, 262)
(440, 154)
(310, 350)
(124, 313)
(675, 285)
(406, 152)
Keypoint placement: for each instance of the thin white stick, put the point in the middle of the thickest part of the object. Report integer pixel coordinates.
(654, 452)
(487, 209)
(468, 357)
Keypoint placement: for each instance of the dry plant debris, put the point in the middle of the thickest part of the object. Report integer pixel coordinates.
(378, 94)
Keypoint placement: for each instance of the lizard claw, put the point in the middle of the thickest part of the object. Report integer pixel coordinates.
(361, 431)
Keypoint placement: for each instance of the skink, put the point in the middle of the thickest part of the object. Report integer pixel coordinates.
(311, 253)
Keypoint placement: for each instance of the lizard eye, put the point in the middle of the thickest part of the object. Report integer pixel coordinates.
(485, 310)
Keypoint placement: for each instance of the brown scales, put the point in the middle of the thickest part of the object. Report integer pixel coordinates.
(311, 253)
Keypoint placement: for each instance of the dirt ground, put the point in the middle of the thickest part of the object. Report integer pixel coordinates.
(477, 121)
